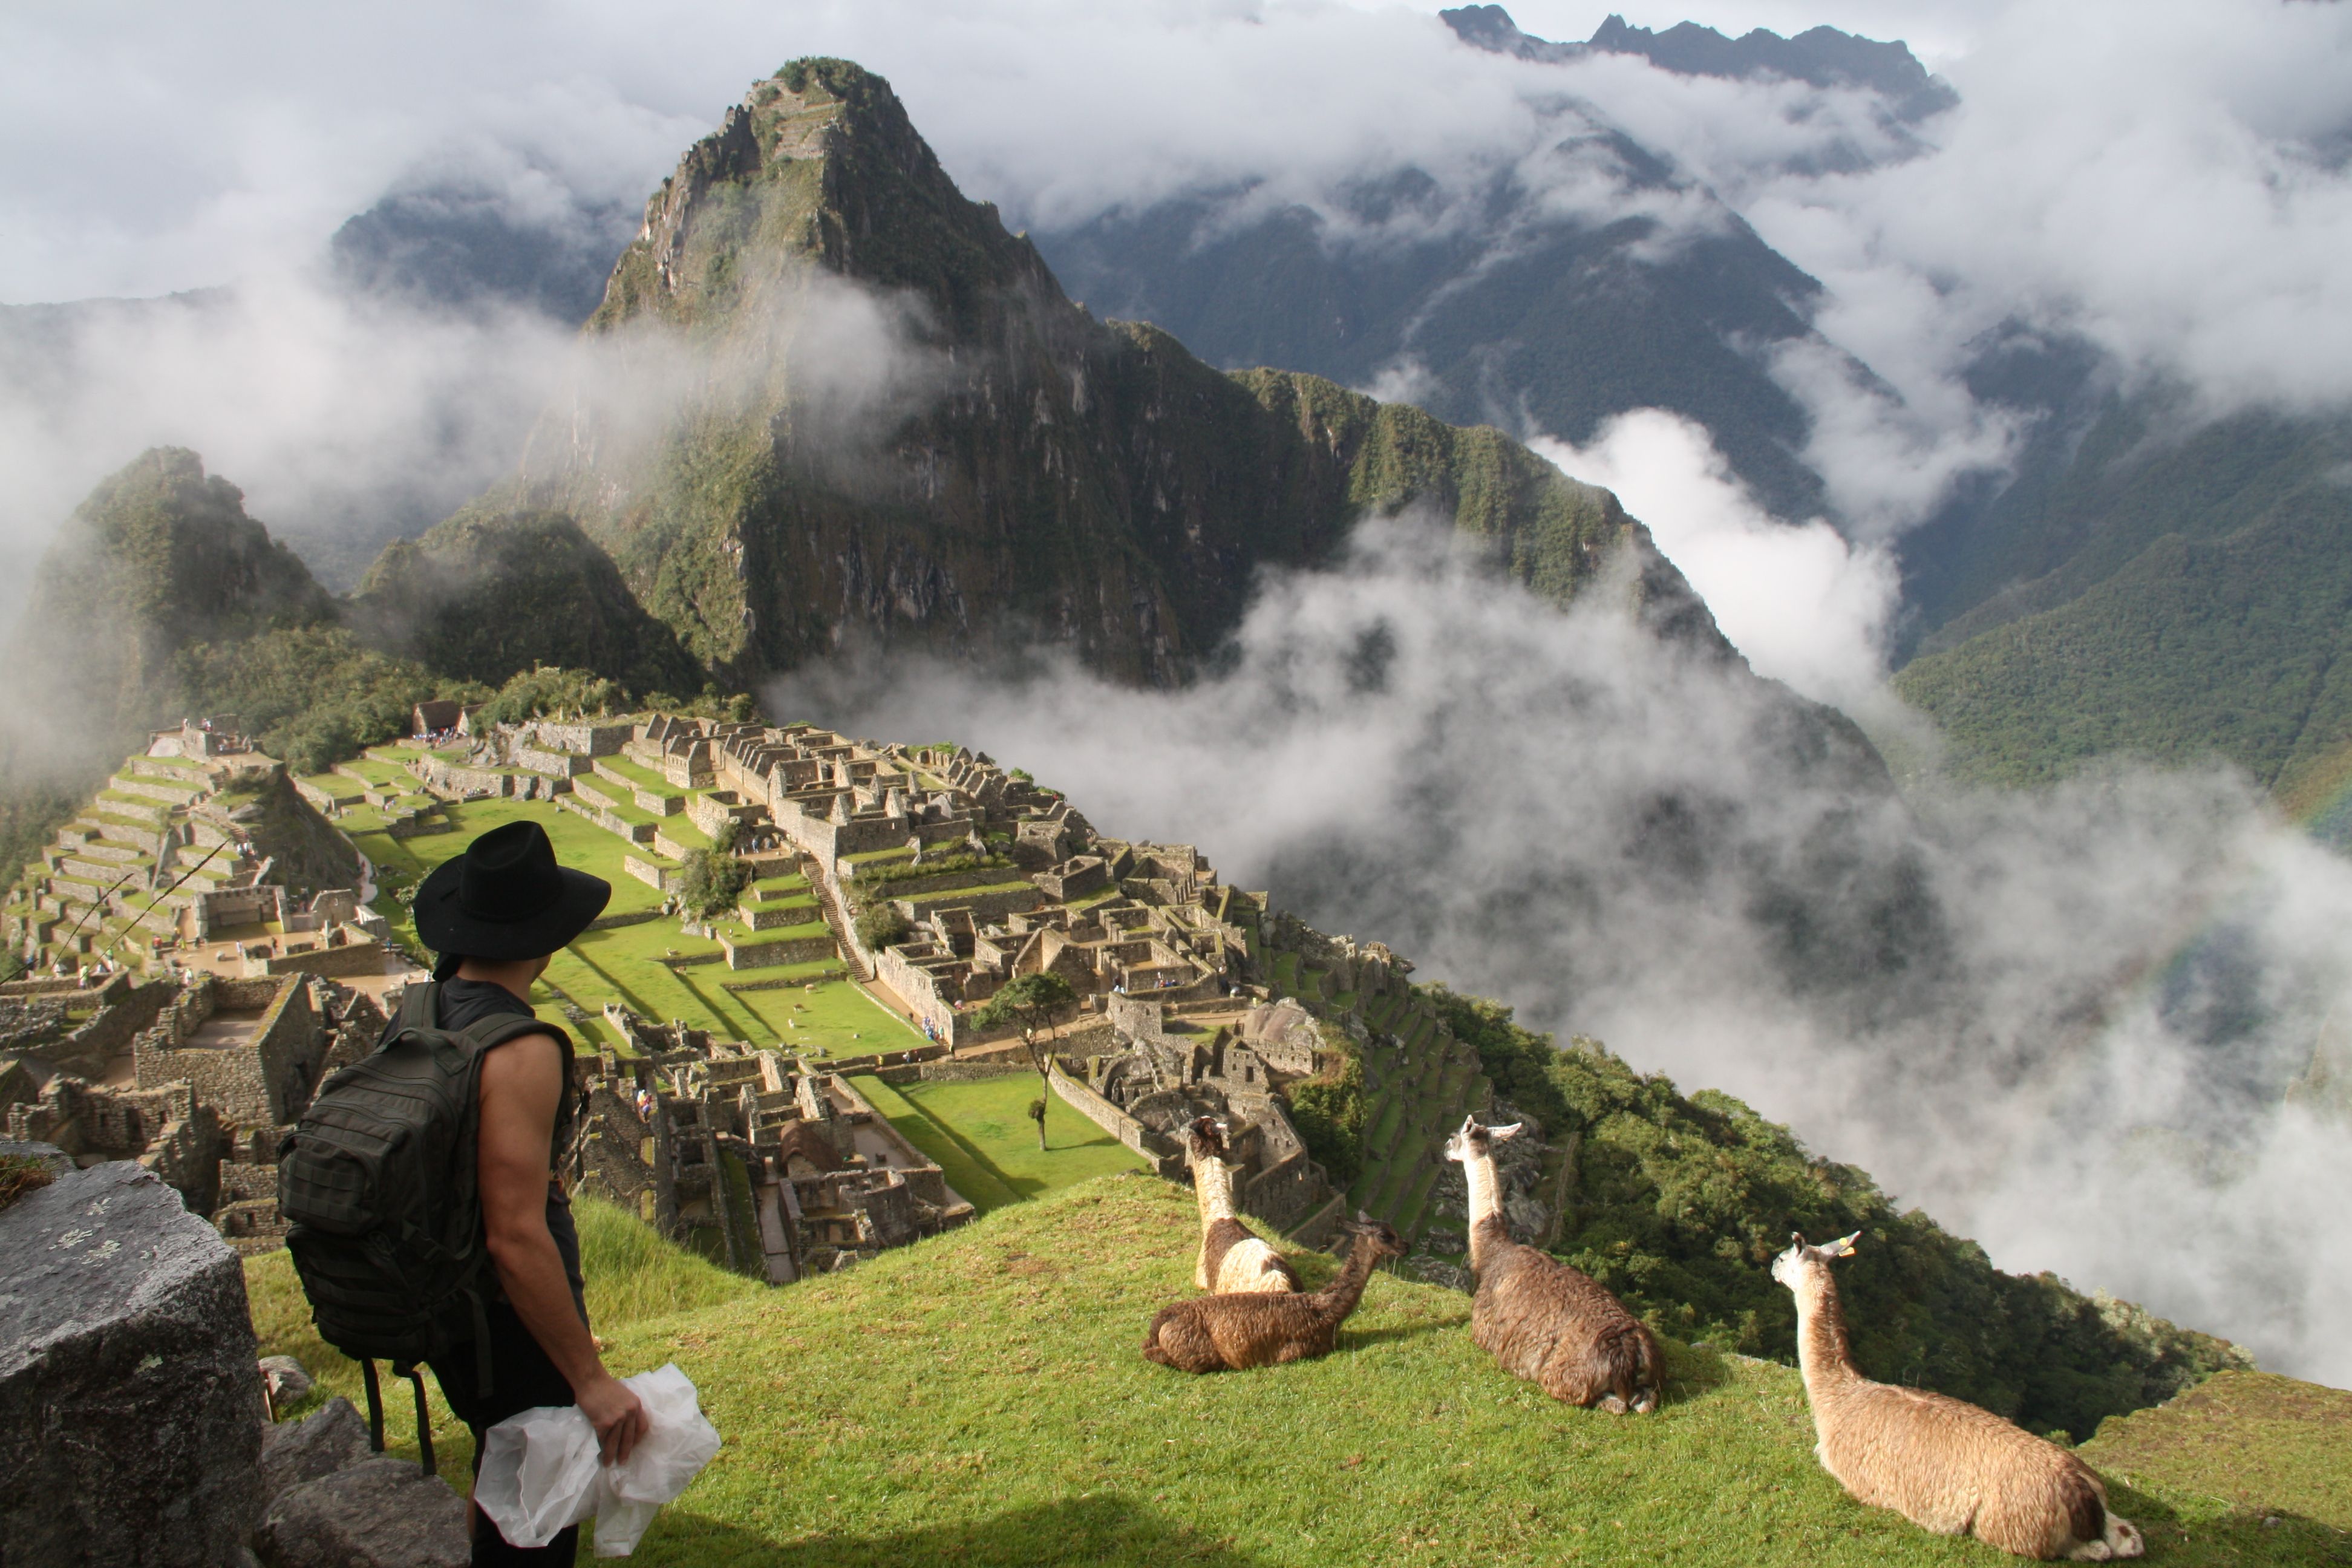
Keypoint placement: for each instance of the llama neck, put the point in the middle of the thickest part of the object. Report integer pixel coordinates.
(1213, 1183)
(1822, 1350)
(1338, 1298)
(1486, 1197)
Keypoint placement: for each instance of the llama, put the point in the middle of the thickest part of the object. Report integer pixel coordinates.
(1540, 1319)
(1232, 1260)
(1218, 1333)
(1941, 1463)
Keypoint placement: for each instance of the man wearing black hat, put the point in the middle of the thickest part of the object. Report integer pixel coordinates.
(494, 916)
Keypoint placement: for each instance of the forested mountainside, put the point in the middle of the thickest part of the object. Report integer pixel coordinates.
(2150, 583)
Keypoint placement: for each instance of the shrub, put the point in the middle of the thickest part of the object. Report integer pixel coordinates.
(709, 881)
(880, 925)
(1328, 1112)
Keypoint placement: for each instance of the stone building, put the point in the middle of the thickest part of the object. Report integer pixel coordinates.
(765, 1163)
(194, 1077)
(1158, 1067)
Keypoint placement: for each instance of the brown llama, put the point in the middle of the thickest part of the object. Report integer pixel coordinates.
(1540, 1319)
(1942, 1463)
(1232, 1260)
(1221, 1333)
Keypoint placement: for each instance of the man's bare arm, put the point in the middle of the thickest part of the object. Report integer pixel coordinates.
(522, 1085)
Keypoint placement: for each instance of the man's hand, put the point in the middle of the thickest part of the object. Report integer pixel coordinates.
(618, 1415)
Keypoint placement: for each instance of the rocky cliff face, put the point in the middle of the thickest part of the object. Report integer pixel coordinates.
(874, 413)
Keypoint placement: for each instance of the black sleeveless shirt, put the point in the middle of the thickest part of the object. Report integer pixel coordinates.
(466, 1002)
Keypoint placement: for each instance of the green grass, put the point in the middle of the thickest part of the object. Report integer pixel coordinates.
(979, 1398)
(836, 1019)
(651, 780)
(980, 1131)
(2243, 1444)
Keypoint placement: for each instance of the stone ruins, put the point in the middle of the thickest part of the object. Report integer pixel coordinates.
(1192, 997)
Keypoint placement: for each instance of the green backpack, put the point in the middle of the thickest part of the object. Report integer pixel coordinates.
(377, 1182)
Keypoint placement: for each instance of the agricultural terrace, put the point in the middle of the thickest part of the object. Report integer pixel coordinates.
(649, 966)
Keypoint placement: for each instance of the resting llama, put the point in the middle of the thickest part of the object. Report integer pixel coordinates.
(1221, 1334)
(1941, 1463)
(1233, 1262)
(1540, 1319)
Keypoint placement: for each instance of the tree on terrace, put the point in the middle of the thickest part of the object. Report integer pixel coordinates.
(1036, 1002)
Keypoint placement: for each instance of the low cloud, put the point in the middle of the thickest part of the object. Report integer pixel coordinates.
(1553, 810)
(1804, 605)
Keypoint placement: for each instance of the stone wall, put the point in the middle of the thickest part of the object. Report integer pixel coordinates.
(584, 738)
(260, 1082)
(916, 989)
(1163, 1158)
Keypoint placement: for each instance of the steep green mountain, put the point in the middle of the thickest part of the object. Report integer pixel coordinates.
(487, 594)
(2154, 587)
(161, 556)
(896, 425)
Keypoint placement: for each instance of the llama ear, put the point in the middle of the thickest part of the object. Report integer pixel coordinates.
(1501, 1134)
(1844, 1246)
(1363, 1218)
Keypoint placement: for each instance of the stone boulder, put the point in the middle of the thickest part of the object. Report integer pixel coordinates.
(332, 1438)
(383, 1513)
(285, 1380)
(130, 1395)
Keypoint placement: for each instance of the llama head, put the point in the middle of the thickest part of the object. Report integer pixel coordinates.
(1205, 1139)
(1379, 1236)
(1476, 1143)
(1802, 1259)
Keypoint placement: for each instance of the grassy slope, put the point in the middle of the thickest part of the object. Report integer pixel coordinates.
(979, 1398)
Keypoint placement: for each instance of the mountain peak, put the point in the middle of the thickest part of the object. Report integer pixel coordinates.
(1824, 56)
(818, 164)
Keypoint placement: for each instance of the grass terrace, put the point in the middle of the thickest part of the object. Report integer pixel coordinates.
(981, 1135)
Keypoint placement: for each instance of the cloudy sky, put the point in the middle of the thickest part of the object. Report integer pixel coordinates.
(2162, 177)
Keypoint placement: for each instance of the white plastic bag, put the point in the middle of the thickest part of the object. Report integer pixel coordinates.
(541, 1470)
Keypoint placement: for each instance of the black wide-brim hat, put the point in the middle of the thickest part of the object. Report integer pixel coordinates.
(505, 898)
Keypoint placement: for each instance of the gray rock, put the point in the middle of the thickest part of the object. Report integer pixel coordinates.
(332, 1438)
(49, 1155)
(1528, 1218)
(1445, 1241)
(130, 1399)
(384, 1513)
(285, 1379)
(1437, 1271)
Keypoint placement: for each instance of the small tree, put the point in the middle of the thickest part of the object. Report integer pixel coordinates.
(1036, 1002)
(1037, 1115)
